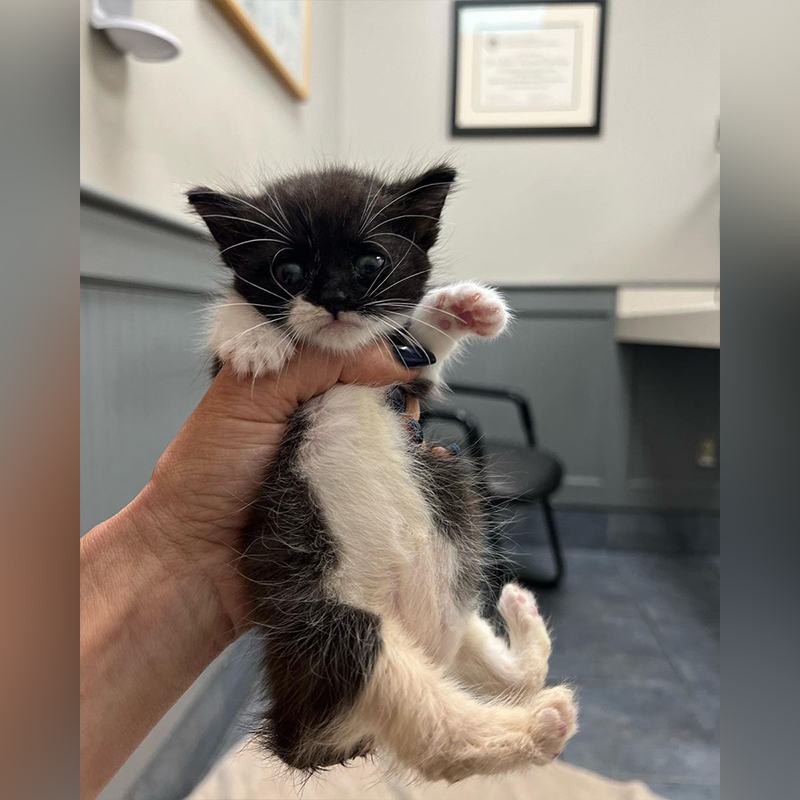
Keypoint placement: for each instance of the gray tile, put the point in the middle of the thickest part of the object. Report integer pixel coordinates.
(525, 526)
(582, 528)
(608, 650)
(684, 791)
(707, 709)
(694, 651)
(646, 731)
(565, 608)
(674, 533)
(639, 634)
(678, 590)
(588, 573)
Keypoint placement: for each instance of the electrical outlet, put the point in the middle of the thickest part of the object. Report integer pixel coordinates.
(707, 453)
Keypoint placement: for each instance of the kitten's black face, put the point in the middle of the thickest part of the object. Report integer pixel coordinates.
(337, 257)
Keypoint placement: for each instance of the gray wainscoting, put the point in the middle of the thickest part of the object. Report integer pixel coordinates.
(627, 420)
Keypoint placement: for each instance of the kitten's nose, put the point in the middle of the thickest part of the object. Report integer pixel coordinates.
(334, 300)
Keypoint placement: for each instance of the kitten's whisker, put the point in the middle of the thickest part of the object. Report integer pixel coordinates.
(368, 206)
(391, 270)
(277, 348)
(272, 263)
(285, 366)
(405, 255)
(255, 208)
(286, 292)
(412, 305)
(400, 236)
(256, 286)
(208, 308)
(247, 221)
(369, 291)
(428, 324)
(402, 216)
(242, 333)
(251, 241)
(279, 210)
(378, 244)
(405, 194)
(407, 277)
(403, 331)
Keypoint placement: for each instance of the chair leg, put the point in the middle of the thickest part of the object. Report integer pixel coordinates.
(534, 581)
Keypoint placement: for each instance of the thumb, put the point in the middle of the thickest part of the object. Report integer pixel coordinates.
(380, 364)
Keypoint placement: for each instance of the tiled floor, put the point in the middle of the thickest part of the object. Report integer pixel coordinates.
(639, 636)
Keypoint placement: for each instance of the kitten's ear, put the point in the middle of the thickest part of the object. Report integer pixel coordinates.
(423, 199)
(228, 218)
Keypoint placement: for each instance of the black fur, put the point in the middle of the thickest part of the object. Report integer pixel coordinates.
(419, 387)
(323, 221)
(318, 653)
(459, 513)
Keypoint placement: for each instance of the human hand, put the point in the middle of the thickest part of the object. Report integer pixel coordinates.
(196, 503)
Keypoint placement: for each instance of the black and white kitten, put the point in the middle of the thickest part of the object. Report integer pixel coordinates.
(364, 550)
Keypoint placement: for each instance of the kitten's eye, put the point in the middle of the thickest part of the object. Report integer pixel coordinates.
(369, 265)
(290, 275)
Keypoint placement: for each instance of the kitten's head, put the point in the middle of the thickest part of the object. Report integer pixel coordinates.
(337, 257)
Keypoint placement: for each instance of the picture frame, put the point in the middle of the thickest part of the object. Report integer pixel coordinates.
(527, 67)
(279, 31)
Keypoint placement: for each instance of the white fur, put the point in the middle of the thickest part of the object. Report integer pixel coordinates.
(244, 338)
(447, 697)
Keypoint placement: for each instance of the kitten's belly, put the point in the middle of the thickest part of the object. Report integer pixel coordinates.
(391, 559)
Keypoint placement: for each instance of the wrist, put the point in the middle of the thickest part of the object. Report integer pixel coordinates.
(147, 632)
(181, 550)
(134, 564)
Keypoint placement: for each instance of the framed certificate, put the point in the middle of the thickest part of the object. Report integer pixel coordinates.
(527, 67)
(279, 32)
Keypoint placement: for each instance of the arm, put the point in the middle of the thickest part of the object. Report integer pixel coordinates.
(160, 593)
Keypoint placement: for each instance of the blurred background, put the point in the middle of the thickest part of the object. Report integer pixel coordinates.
(606, 245)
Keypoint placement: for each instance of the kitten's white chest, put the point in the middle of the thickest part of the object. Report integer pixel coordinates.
(391, 558)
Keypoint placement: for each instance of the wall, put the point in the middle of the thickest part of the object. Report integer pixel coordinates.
(148, 131)
(638, 203)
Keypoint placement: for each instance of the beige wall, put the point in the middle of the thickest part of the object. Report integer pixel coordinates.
(214, 114)
(638, 203)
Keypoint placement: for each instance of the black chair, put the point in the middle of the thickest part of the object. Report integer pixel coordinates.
(523, 473)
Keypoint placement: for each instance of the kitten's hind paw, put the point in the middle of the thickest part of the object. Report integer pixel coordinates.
(525, 625)
(555, 721)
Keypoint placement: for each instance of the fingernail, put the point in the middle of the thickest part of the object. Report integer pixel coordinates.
(455, 449)
(397, 398)
(416, 431)
(411, 356)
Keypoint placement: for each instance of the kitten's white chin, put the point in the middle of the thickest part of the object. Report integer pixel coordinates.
(349, 332)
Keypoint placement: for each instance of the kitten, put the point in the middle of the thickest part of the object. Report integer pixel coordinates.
(364, 551)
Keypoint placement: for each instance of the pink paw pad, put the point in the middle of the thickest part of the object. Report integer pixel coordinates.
(518, 604)
(525, 603)
(479, 311)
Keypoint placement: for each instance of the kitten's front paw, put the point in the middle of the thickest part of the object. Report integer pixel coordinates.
(254, 355)
(241, 337)
(468, 308)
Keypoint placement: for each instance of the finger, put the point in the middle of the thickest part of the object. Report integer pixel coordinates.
(412, 407)
(376, 365)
